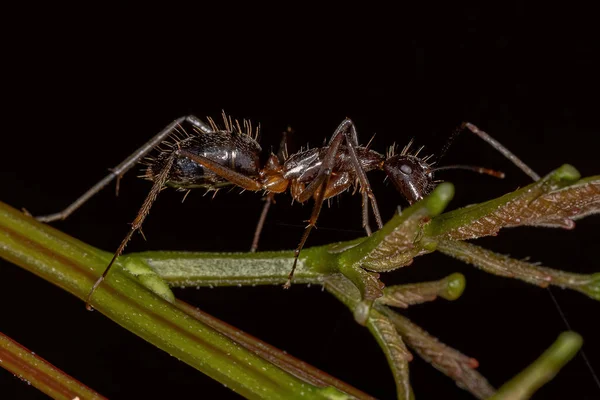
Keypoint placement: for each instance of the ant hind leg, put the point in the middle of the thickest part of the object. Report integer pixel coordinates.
(159, 183)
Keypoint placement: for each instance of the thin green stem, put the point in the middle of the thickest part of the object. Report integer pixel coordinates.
(187, 269)
(283, 360)
(382, 329)
(512, 209)
(502, 265)
(33, 369)
(449, 288)
(542, 370)
(449, 361)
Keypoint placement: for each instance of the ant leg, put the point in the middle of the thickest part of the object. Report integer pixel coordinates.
(318, 185)
(351, 137)
(328, 161)
(282, 154)
(311, 222)
(126, 165)
(351, 140)
(261, 221)
(365, 213)
(231, 175)
(159, 183)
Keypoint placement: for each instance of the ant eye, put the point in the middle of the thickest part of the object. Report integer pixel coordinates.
(406, 169)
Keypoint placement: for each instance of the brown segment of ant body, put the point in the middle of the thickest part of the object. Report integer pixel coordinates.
(212, 157)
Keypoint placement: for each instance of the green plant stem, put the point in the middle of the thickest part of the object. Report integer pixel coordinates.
(33, 369)
(542, 370)
(449, 361)
(185, 269)
(513, 209)
(382, 329)
(449, 288)
(283, 360)
(74, 266)
(502, 265)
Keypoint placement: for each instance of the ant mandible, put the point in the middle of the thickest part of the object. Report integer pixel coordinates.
(213, 157)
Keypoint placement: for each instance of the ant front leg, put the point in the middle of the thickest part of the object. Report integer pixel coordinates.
(126, 165)
(345, 131)
(269, 199)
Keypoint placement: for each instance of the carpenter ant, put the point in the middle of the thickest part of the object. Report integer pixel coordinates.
(212, 157)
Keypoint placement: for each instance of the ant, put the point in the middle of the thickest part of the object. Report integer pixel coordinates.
(213, 157)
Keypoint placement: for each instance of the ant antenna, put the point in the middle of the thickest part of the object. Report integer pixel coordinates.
(450, 141)
(479, 170)
(492, 142)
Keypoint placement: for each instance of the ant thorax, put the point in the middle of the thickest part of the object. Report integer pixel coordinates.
(304, 166)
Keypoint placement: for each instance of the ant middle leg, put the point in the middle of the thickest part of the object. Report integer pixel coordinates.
(118, 171)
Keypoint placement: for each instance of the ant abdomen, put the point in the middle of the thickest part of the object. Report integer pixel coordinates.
(236, 151)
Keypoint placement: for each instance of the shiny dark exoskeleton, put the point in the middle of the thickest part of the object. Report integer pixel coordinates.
(212, 157)
(303, 167)
(410, 175)
(232, 149)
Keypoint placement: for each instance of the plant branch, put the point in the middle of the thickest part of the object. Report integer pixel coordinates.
(288, 363)
(502, 265)
(555, 200)
(449, 361)
(542, 370)
(449, 288)
(382, 329)
(33, 369)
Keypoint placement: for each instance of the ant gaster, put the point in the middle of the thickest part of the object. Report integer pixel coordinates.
(212, 157)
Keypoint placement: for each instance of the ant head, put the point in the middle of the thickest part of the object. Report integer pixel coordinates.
(411, 176)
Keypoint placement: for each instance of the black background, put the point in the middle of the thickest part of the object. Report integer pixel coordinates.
(82, 88)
